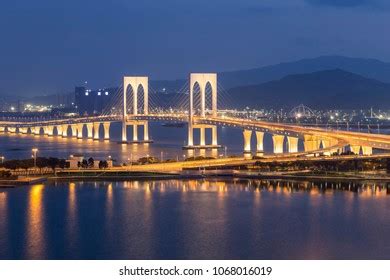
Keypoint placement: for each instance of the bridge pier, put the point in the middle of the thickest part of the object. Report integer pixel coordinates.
(214, 135)
(367, 151)
(90, 130)
(23, 130)
(292, 144)
(361, 150)
(311, 143)
(247, 141)
(259, 142)
(96, 127)
(106, 126)
(278, 141)
(135, 133)
(74, 130)
(49, 130)
(190, 142)
(146, 131)
(202, 137)
(136, 139)
(37, 130)
(355, 149)
(80, 127)
(65, 130)
(59, 130)
(124, 131)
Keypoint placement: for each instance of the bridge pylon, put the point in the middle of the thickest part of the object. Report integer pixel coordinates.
(202, 81)
(135, 83)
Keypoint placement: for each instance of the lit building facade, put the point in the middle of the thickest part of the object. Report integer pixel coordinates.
(94, 102)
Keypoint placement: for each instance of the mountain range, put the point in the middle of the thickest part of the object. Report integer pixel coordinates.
(370, 68)
(328, 89)
(322, 82)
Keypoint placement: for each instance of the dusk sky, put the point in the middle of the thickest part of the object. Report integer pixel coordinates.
(50, 46)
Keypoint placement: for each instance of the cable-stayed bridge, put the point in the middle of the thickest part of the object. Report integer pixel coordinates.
(198, 104)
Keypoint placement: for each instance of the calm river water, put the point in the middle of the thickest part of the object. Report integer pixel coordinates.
(200, 219)
(185, 219)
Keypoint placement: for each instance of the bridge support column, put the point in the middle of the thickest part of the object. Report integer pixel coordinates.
(355, 149)
(37, 130)
(80, 130)
(292, 144)
(247, 141)
(135, 132)
(49, 130)
(214, 135)
(326, 142)
(124, 131)
(23, 130)
(278, 141)
(146, 131)
(64, 130)
(190, 135)
(259, 142)
(311, 143)
(202, 136)
(96, 127)
(106, 126)
(74, 130)
(90, 130)
(367, 151)
(59, 130)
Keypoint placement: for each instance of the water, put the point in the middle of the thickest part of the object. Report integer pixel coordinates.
(185, 219)
(204, 219)
(168, 140)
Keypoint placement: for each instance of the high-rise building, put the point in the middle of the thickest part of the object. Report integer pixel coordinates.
(93, 102)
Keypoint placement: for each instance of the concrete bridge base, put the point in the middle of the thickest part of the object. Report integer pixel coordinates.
(135, 142)
(202, 134)
(202, 147)
(135, 125)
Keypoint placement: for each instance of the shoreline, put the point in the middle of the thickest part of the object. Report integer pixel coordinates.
(215, 174)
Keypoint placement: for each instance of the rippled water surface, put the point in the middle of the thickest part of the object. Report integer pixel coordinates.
(195, 220)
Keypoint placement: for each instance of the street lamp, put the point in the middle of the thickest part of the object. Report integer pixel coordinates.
(2, 159)
(35, 150)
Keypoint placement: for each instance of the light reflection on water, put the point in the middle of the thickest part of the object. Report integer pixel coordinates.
(168, 140)
(35, 236)
(196, 219)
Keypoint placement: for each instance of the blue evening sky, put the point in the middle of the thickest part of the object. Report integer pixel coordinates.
(49, 46)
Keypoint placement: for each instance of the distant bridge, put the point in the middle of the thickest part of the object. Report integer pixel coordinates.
(199, 111)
